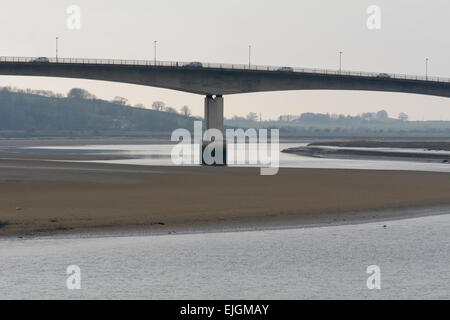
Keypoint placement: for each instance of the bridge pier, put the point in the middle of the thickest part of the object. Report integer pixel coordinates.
(212, 146)
(214, 112)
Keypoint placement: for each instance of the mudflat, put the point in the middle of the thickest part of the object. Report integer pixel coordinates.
(41, 197)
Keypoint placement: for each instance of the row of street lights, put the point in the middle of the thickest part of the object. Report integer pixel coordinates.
(250, 57)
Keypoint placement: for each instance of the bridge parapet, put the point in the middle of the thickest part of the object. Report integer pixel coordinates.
(225, 66)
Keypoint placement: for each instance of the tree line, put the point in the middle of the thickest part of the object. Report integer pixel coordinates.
(33, 110)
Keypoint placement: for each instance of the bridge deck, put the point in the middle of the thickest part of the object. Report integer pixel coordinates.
(225, 66)
(221, 79)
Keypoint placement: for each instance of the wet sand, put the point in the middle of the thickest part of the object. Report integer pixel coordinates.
(39, 197)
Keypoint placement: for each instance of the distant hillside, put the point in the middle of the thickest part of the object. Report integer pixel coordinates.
(33, 113)
(315, 126)
(80, 114)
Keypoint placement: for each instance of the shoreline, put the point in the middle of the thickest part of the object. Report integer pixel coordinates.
(369, 150)
(368, 217)
(350, 154)
(436, 145)
(108, 140)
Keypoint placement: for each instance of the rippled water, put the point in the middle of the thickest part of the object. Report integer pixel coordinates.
(319, 263)
(161, 155)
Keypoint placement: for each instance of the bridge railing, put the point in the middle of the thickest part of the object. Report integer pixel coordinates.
(225, 66)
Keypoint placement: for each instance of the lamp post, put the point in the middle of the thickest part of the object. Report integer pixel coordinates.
(155, 42)
(57, 49)
(426, 68)
(340, 61)
(249, 56)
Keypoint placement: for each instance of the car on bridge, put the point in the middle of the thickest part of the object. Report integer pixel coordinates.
(383, 75)
(285, 69)
(194, 65)
(41, 60)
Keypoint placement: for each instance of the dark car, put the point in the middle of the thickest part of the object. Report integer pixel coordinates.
(194, 65)
(383, 75)
(41, 60)
(285, 69)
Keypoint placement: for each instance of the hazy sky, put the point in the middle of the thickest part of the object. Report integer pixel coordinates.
(282, 33)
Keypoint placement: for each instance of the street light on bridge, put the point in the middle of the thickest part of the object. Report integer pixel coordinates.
(57, 49)
(426, 68)
(249, 56)
(340, 61)
(155, 42)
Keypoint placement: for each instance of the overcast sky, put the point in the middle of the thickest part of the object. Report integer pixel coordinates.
(282, 33)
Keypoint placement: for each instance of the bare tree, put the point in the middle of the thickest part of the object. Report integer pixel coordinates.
(170, 110)
(77, 93)
(369, 116)
(120, 100)
(158, 105)
(403, 116)
(252, 116)
(186, 111)
(382, 115)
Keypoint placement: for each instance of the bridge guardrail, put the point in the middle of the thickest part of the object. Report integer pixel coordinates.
(224, 66)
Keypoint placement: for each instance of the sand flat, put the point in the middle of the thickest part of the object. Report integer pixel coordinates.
(40, 197)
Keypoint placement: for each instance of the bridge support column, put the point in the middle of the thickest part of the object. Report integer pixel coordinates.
(214, 151)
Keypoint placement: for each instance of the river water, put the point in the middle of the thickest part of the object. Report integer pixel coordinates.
(312, 263)
(160, 155)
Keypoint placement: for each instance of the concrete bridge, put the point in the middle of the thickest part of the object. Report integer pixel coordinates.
(216, 80)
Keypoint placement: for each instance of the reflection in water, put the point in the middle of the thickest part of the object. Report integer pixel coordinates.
(160, 155)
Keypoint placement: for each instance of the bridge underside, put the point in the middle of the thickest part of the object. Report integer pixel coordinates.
(210, 81)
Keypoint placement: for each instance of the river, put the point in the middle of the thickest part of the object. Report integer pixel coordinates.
(160, 155)
(311, 263)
